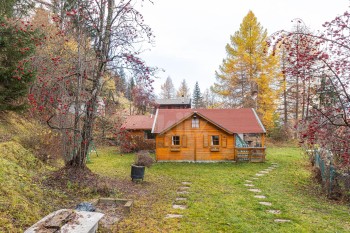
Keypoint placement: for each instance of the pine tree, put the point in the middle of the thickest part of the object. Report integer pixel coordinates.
(130, 88)
(120, 82)
(197, 98)
(167, 89)
(16, 46)
(183, 91)
(247, 77)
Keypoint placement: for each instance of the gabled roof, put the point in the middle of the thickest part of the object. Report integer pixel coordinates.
(179, 101)
(138, 122)
(243, 120)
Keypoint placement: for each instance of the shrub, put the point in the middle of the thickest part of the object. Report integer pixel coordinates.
(142, 158)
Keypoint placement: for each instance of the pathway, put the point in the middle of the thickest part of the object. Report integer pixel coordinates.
(180, 200)
(257, 192)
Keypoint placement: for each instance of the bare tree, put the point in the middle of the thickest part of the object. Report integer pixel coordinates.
(167, 89)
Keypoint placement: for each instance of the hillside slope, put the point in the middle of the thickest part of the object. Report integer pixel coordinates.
(23, 199)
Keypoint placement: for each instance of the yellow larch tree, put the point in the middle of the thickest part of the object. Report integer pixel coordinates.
(248, 76)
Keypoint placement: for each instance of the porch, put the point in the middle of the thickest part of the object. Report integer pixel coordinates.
(250, 154)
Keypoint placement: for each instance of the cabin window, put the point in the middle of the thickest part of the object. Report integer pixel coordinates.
(175, 140)
(149, 135)
(195, 122)
(215, 140)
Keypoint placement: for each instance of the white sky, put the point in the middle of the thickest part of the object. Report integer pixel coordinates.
(191, 35)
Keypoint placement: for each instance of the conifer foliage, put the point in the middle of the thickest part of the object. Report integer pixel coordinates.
(248, 74)
(17, 44)
(197, 98)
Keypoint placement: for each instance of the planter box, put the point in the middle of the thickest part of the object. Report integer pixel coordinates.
(125, 203)
(214, 149)
(175, 148)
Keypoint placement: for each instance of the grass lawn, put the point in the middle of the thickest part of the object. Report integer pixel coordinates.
(218, 200)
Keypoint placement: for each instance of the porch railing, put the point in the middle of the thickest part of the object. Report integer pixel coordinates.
(251, 154)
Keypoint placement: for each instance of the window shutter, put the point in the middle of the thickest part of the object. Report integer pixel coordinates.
(223, 141)
(184, 140)
(167, 139)
(205, 140)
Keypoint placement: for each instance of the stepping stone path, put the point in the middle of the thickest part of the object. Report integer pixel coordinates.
(178, 200)
(181, 207)
(255, 190)
(273, 211)
(265, 203)
(282, 220)
(248, 184)
(173, 216)
(182, 192)
(264, 172)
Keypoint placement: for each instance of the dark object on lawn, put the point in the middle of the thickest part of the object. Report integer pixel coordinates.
(137, 172)
(85, 206)
(142, 160)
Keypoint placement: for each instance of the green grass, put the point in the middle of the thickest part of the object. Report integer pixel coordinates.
(219, 202)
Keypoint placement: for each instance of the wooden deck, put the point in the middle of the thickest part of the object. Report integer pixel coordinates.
(250, 154)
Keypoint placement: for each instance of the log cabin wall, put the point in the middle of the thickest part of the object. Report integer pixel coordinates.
(195, 143)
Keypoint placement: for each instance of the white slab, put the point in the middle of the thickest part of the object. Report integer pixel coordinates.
(282, 220)
(260, 196)
(255, 190)
(180, 207)
(265, 203)
(86, 222)
(173, 216)
(248, 185)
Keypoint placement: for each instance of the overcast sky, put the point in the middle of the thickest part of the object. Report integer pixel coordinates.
(191, 35)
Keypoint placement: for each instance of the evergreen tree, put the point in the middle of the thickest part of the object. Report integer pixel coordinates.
(120, 82)
(130, 88)
(17, 44)
(183, 91)
(247, 77)
(197, 98)
(167, 89)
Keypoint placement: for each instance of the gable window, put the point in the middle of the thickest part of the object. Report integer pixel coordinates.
(175, 140)
(195, 122)
(215, 140)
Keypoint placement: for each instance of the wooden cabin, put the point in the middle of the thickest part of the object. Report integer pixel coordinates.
(208, 135)
(140, 125)
(180, 103)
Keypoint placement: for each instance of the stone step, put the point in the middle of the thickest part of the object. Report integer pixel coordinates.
(183, 188)
(282, 220)
(255, 190)
(181, 199)
(274, 211)
(248, 181)
(265, 203)
(264, 172)
(180, 207)
(174, 216)
(260, 196)
(248, 185)
(259, 174)
(186, 183)
(182, 192)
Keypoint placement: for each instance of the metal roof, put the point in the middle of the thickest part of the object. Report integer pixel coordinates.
(243, 120)
(178, 101)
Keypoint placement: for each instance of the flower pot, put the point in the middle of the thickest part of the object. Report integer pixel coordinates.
(137, 172)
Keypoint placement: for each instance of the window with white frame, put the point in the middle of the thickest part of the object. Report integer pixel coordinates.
(175, 140)
(195, 122)
(215, 140)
